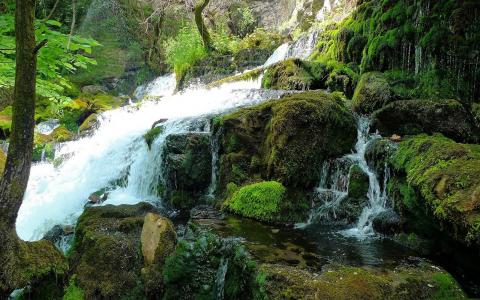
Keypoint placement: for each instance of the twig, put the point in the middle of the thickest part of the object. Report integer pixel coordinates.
(39, 46)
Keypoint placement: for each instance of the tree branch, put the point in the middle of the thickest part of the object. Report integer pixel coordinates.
(39, 46)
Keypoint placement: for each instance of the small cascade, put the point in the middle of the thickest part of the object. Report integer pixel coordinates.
(333, 187)
(160, 87)
(220, 280)
(301, 48)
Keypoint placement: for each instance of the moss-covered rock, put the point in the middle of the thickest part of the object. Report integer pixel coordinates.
(295, 74)
(285, 140)
(89, 125)
(205, 265)
(358, 183)
(43, 147)
(344, 282)
(152, 135)
(263, 201)
(410, 117)
(442, 179)
(187, 168)
(106, 256)
(61, 134)
(372, 92)
(377, 155)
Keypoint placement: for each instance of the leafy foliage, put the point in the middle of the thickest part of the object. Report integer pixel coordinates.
(55, 60)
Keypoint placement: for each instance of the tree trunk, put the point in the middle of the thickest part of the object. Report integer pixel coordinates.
(202, 28)
(17, 167)
(74, 20)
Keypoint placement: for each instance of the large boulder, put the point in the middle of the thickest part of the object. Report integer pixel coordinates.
(106, 256)
(372, 92)
(388, 222)
(286, 140)
(187, 168)
(441, 188)
(378, 154)
(410, 117)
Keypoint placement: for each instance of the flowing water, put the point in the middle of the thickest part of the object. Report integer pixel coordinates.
(116, 157)
(333, 187)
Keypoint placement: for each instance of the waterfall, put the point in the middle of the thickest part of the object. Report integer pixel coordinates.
(302, 48)
(116, 158)
(220, 280)
(333, 186)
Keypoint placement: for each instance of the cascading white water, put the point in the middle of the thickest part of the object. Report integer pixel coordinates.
(333, 186)
(301, 48)
(377, 194)
(116, 152)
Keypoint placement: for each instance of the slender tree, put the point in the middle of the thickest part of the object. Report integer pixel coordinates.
(15, 253)
(202, 28)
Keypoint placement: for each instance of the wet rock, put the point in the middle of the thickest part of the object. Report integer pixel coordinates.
(372, 92)
(202, 212)
(97, 198)
(410, 117)
(105, 256)
(187, 168)
(88, 126)
(388, 222)
(294, 74)
(93, 89)
(158, 122)
(158, 238)
(358, 183)
(378, 154)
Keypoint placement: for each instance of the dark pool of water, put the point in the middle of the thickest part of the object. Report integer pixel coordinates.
(319, 245)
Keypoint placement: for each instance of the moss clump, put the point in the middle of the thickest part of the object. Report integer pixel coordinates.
(262, 201)
(5, 122)
(372, 93)
(250, 75)
(409, 117)
(43, 147)
(152, 134)
(445, 174)
(191, 272)
(294, 74)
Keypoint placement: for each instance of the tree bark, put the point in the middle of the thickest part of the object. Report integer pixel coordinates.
(202, 28)
(74, 20)
(17, 168)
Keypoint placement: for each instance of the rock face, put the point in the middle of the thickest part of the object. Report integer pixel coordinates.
(187, 171)
(388, 222)
(419, 281)
(440, 189)
(106, 256)
(372, 92)
(410, 117)
(353, 204)
(158, 238)
(285, 141)
(378, 154)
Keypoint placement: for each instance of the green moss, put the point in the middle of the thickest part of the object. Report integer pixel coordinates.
(62, 134)
(3, 160)
(445, 174)
(260, 201)
(447, 287)
(73, 292)
(152, 134)
(358, 183)
(250, 75)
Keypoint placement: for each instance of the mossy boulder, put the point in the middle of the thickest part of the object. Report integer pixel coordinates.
(264, 201)
(43, 147)
(106, 256)
(410, 117)
(152, 135)
(419, 281)
(442, 180)
(187, 168)
(284, 140)
(89, 125)
(61, 134)
(295, 74)
(372, 92)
